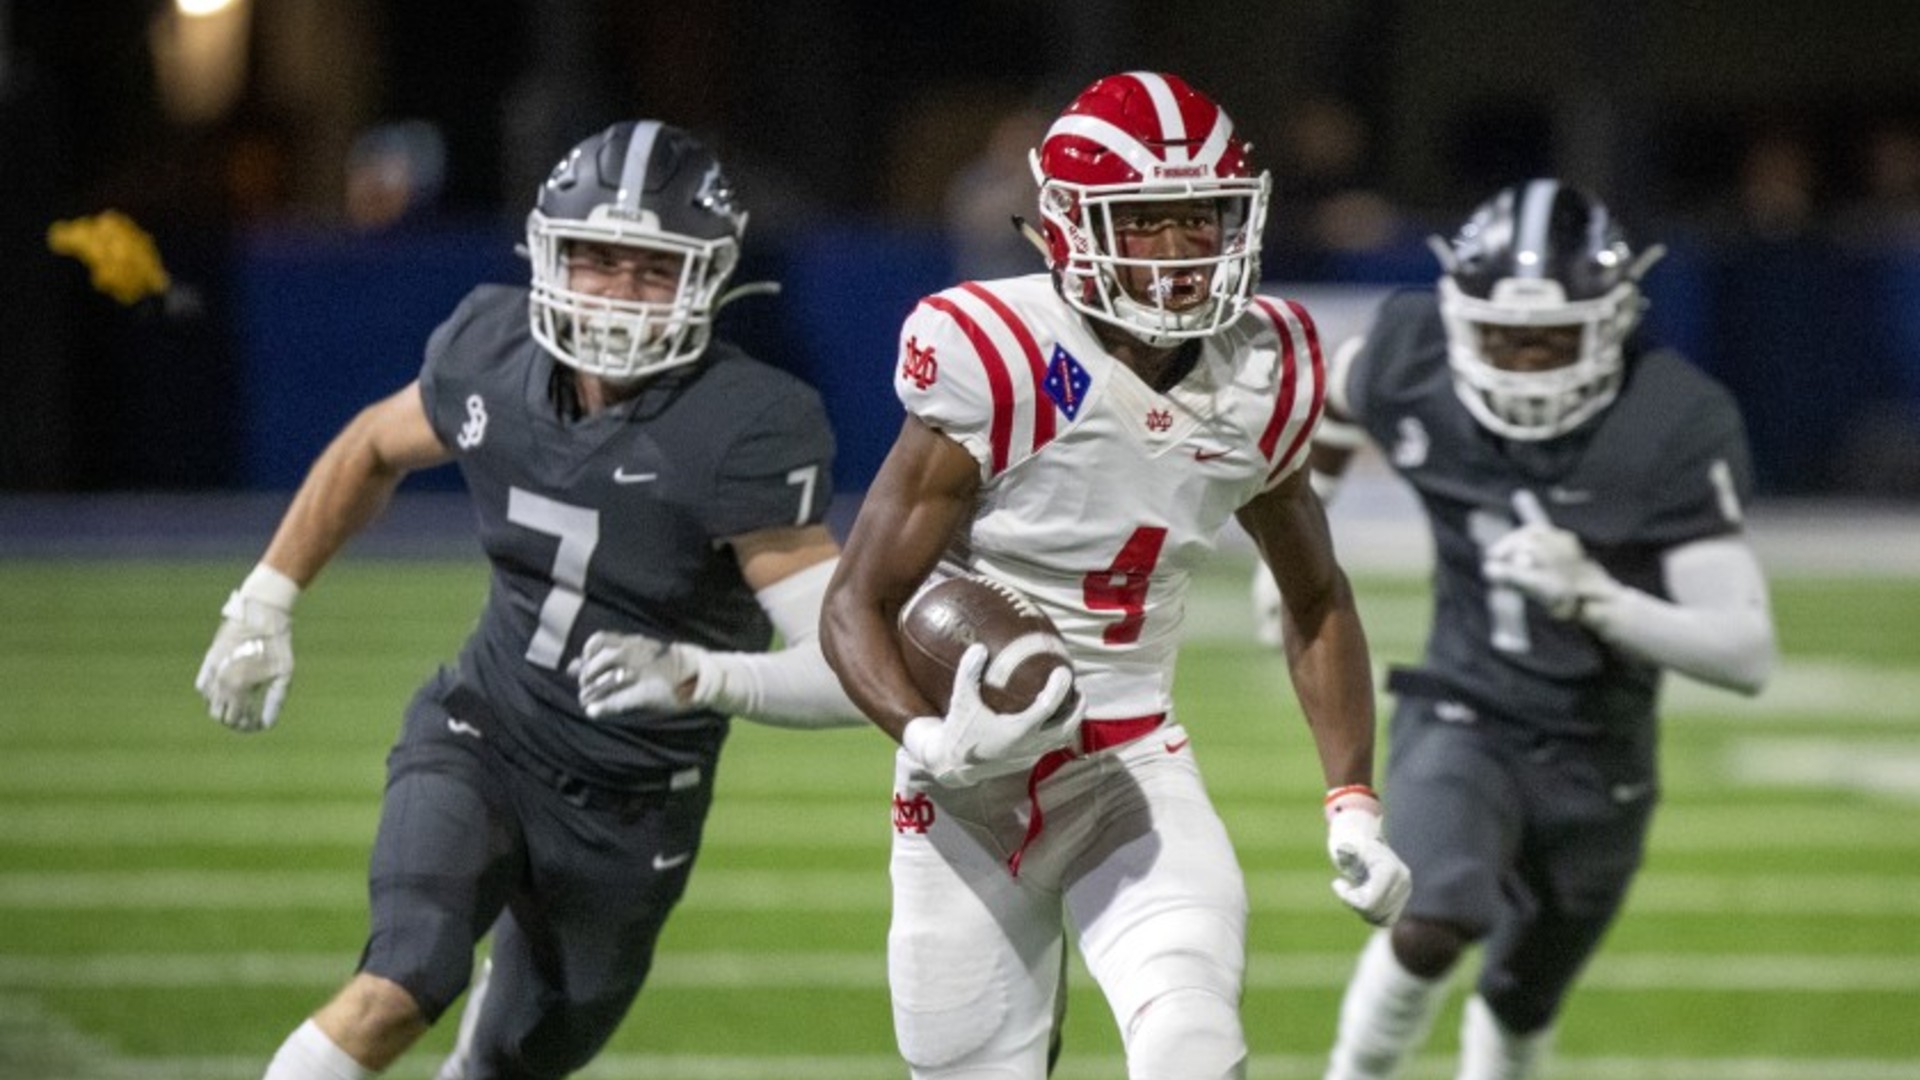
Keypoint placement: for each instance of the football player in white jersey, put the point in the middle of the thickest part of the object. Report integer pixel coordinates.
(1084, 435)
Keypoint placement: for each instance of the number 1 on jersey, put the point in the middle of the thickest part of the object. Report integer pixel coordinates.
(1122, 586)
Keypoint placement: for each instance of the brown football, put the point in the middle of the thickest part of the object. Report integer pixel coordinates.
(1023, 645)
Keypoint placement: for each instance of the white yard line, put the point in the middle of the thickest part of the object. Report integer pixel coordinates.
(1886, 768)
(629, 1066)
(747, 971)
(1293, 892)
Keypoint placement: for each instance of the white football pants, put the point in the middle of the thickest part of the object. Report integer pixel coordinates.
(1132, 852)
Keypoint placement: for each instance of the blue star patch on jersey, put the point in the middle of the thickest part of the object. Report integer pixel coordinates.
(1067, 381)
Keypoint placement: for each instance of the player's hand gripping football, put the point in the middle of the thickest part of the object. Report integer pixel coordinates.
(974, 743)
(1546, 563)
(249, 666)
(1373, 881)
(626, 672)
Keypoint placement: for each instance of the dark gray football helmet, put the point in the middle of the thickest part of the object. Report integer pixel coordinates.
(1540, 253)
(647, 185)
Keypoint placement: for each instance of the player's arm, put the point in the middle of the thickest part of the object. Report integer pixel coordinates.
(247, 669)
(1327, 657)
(1717, 627)
(1325, 645)
(352, 481)
(1336, 439)
(1338, 436)
(923, 494)
(788, 568)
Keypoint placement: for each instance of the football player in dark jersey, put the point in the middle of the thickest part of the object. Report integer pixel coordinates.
(652, 501)
(1585, 502)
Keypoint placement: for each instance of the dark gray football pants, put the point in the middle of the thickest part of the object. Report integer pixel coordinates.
(1528, 843)
(575, 887)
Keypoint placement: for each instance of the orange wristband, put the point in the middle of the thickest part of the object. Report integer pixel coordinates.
(1349, 789)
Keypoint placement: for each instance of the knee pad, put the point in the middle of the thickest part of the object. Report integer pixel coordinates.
(1427, 948)
(1187, 1034)
(951, 1003)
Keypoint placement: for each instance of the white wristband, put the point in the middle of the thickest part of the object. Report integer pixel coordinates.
(265, 585)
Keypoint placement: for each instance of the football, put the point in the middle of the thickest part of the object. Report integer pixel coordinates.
(1024, 647)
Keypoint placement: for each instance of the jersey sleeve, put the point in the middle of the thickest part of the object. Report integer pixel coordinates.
(778, 470)
(446, 375)
(969, 367)
(1706, 475)
(1300, 386)
(1395, 334)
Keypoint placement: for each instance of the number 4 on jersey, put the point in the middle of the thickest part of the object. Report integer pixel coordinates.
(1122, 586)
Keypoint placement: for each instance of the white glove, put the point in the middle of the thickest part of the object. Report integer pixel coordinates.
(627, 672)
(250, 663)
(1546, 563)
(1373, 881)
(973, 742)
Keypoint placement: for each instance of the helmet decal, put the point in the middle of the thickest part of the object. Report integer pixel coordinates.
(633, 170)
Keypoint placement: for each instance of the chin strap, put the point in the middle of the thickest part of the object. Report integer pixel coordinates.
(1025, 228)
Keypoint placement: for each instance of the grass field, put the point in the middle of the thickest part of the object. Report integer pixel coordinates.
(174, 898)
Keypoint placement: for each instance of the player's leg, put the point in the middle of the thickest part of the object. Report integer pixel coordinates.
(572, 952)
(1385, 1014)
(973, 952)
(438, 875)
(1455, 818)
(1162, 913)
(1577, 881)
(1490, 1050)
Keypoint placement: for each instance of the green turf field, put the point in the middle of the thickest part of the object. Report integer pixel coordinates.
(174, 898)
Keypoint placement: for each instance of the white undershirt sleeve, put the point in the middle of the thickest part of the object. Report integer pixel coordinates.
(792, 687)
(1718, 628)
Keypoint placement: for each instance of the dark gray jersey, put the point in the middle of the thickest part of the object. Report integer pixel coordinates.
(613, 521)
(1665, 464)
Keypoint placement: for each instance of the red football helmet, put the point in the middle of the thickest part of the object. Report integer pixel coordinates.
(1143, 137)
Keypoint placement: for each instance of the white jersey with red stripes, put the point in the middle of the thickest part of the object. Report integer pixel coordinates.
(1100, 495)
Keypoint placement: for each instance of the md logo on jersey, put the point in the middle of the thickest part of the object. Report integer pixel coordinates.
(912, 815)
(919, 368)
(1066, 381)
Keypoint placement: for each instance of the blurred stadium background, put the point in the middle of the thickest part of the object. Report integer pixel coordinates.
(324, 178)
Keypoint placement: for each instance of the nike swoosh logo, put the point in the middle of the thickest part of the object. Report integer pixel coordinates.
(668, 862)
(1174, 746)
(1626, 793)
(461, 727)
(622, 476)
(1209, 455)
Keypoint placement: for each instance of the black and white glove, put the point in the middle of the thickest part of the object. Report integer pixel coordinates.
(1373, 881)
(249, 666)
(974, 743)
(1547, 564)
